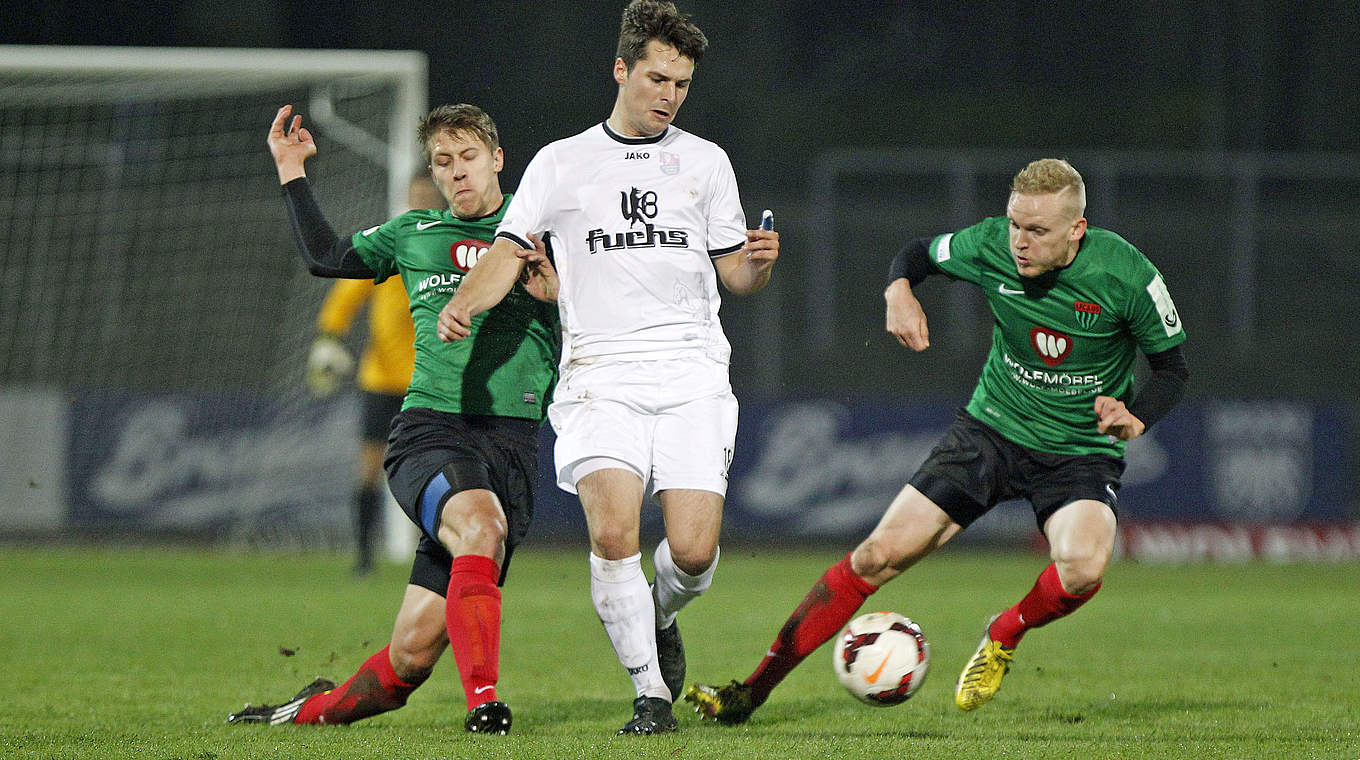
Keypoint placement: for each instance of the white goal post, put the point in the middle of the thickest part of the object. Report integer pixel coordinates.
(112, 74)
(152, 282)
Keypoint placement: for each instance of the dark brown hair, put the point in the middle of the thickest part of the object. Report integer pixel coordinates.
(647, 20)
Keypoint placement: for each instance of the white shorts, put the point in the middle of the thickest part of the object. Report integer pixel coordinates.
(672, 422)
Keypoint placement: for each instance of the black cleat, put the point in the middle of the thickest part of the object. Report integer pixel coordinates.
(488, 718)
(670, 652)
(651, 715)
(278, 714)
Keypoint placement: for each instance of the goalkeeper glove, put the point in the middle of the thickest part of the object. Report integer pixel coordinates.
(329, 364)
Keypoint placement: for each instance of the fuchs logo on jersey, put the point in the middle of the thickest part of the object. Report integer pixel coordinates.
(1087, 313)
(670, 163)
(1051, 345)
(465, 253)
(637, 206)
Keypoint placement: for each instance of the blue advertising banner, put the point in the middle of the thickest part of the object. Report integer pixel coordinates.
(256, 469)
(247, 468)
(1247, 462)
(827, 469)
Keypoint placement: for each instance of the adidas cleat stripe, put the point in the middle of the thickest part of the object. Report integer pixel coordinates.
(286, 713)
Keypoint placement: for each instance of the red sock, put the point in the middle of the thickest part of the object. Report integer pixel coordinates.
(1044, 603)
(473, 614)
(374, 689)
(826, 609)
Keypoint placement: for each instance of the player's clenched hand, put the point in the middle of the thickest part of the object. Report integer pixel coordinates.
(762, 248)
(1113, 418)
(539, 276)
(748, 269)
(906, 320)
(290, 144)
(455, 321)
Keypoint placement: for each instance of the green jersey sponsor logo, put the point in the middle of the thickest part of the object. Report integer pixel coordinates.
(1051, 345)
(1066, 383)
(466, 253)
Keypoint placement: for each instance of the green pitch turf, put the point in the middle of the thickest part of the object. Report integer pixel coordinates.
(141, 653)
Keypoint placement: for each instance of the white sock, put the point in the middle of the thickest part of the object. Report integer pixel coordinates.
(674, 587)
(618, 588)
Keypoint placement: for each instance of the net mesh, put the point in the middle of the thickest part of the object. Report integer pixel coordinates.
(145, 243)
(146, 255)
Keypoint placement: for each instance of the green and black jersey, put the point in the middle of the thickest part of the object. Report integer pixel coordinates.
(508, 366)
(1054, 349)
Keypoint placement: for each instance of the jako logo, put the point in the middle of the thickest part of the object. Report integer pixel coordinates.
(466, 253)
(1051, 345)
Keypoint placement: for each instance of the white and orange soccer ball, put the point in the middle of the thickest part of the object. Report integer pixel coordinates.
(881, 658)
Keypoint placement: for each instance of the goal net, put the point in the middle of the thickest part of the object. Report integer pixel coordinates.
(150, 277)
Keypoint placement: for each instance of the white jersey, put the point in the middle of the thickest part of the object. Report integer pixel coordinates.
(635, 224)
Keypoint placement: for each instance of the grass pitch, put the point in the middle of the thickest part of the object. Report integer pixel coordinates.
(141, 653)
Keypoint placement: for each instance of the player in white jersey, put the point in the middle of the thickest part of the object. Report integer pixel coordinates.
(644, 218)
(641, 214)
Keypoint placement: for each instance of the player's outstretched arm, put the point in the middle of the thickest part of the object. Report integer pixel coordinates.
(325, 254)
(747, 270)
(484, 286)
(290, 144)
(906, 320)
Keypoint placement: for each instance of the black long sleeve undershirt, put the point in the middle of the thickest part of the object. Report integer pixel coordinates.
(1164, 388)
(325, 253)
(912, 262)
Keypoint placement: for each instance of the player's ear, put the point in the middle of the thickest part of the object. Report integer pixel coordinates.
(498, 159)
(620, 71)
(1078, 229)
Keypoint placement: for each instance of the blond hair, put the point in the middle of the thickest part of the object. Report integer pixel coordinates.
(1051, 175)
(459, 118)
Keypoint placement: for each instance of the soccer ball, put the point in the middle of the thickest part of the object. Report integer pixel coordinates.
(881, 658)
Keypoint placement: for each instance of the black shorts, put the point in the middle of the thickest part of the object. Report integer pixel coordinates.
(468, 451)
(973, 468)
(376, 413)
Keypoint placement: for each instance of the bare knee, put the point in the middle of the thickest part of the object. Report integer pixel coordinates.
(895, 544)
(875, 561)
(693, 559)
(868, 558)
(485, 531)
(1081, 537)
(473, 527)
(614, 542)
(414, 654)
(1081, 575)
